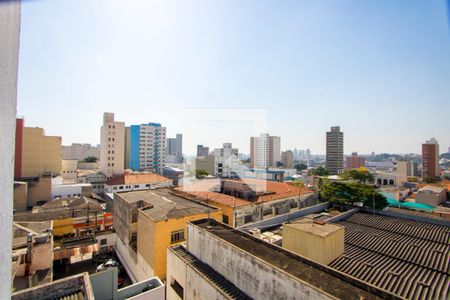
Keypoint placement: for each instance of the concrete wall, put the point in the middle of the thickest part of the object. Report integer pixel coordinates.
(39, 189)
(253, 276)
(135, 265)
(40, 153)
(9, 56)
(286, 217)
(155, 237)
(69, 169)
(321, 243)
(20, 196)
(70, 190)
(197, 287)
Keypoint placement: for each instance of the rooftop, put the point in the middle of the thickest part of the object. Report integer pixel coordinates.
(408, 258)
(75, 287)
(335, 283)
(136, 178)
(40, 230)
(221, 282)
(307, 225)
(209, 190)
(162, 203)
(432, 188)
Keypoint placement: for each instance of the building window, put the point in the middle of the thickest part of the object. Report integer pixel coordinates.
(134, 217)
(103, 242)
(177, 288)
(136, 185)
(225, 219)
(177, 236)
(247, 219)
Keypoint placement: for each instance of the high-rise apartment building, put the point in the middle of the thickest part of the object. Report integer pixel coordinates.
(147, 147)
(35, 152)
(335, 150)
(175, 147)
(407, 168)
(355, 161)
(127, 148)
(430, 159)
(202, 151)
(265, 151)
(225, 160)
(112, 146)
(287, 159)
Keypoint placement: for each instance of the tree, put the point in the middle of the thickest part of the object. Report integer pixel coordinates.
(320, 171)
(298, 183)
(350, 192)
(361, 174)
(200, 173)
(90, 159)
(300, 167)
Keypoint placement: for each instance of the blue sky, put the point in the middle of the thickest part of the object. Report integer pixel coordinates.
(380, 69)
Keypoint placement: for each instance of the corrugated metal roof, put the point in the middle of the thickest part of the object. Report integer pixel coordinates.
(408, 258)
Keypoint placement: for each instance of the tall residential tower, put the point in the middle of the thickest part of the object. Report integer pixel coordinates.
(112, 146)
(335, 150)
(430, 159)
(147, 147)
(265, 151)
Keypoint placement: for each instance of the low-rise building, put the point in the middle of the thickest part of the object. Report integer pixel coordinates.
(72, 287)
(355, 161)
(320, 242)
(71, 190)
(431, 195)
(249, 200)
(173, 173)
(95, 178)
(73, 216)
(100, 286)
(136, 181)
(219, 262)
(149, 221)
(39, 189)
(32, 255)
(69, 170)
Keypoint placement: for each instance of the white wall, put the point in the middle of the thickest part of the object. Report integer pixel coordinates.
(68, 190)
(256, 278)
(9, 56)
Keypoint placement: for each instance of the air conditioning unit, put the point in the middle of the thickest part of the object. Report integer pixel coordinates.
(255, 232)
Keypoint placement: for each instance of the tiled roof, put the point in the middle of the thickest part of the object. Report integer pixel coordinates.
(136, 178)
(204, 190)
(408, 258)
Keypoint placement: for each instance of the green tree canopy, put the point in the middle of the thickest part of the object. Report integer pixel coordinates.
(362, 175)
(200, 173)
(351, 192)
(300, 167)
(90, 159)
(320, 171)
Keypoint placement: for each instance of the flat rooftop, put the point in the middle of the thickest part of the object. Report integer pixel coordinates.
(307, 225)
(334, 283)
(162, 203)
(408, 258)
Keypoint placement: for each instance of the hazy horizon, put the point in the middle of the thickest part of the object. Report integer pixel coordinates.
(380, 70)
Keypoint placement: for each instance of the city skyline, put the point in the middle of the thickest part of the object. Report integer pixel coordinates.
(368, 69)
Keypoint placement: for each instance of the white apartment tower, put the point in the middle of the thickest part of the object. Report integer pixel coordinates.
(225, 160)
(147, 147)
(112, 146)
(265, 151)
